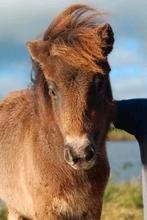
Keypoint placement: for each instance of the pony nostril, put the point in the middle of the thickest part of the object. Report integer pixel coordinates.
(89, 156)
(89, 153)
(75, 159)
(70, 157)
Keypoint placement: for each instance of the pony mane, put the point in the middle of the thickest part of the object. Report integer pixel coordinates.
(73, 37)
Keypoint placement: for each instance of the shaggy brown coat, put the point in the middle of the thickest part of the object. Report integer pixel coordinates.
(35, 180)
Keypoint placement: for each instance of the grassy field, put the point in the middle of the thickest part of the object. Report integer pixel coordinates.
(119, 135)
(121, 202)
(3, 213)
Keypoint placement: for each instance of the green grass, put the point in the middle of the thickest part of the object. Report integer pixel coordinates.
(3, 213)
(122, 201)
(119, 135)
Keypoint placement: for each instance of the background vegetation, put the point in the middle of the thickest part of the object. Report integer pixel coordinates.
(119, 135)
(3, 213)
(123, 201)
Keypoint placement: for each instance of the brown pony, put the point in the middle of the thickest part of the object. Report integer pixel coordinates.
(53, 162)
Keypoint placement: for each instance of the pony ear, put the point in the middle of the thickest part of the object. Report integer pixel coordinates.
(38, 50)
(106, 36)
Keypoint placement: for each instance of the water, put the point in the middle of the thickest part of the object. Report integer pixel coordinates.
(124, 158)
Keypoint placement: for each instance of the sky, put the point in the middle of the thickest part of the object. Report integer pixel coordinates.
(25, 20)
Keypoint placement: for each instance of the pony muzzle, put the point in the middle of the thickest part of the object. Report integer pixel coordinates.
(83, 160)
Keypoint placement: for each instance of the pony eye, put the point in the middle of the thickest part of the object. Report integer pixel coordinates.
(52, 90)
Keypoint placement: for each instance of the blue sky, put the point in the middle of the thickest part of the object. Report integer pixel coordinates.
(24, 20)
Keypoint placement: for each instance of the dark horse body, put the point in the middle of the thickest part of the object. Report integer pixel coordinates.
(53, 162)
(131, 116)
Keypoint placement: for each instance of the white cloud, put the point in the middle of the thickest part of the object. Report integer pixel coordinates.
(129, 86)
(123, 57)
(22, 20)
